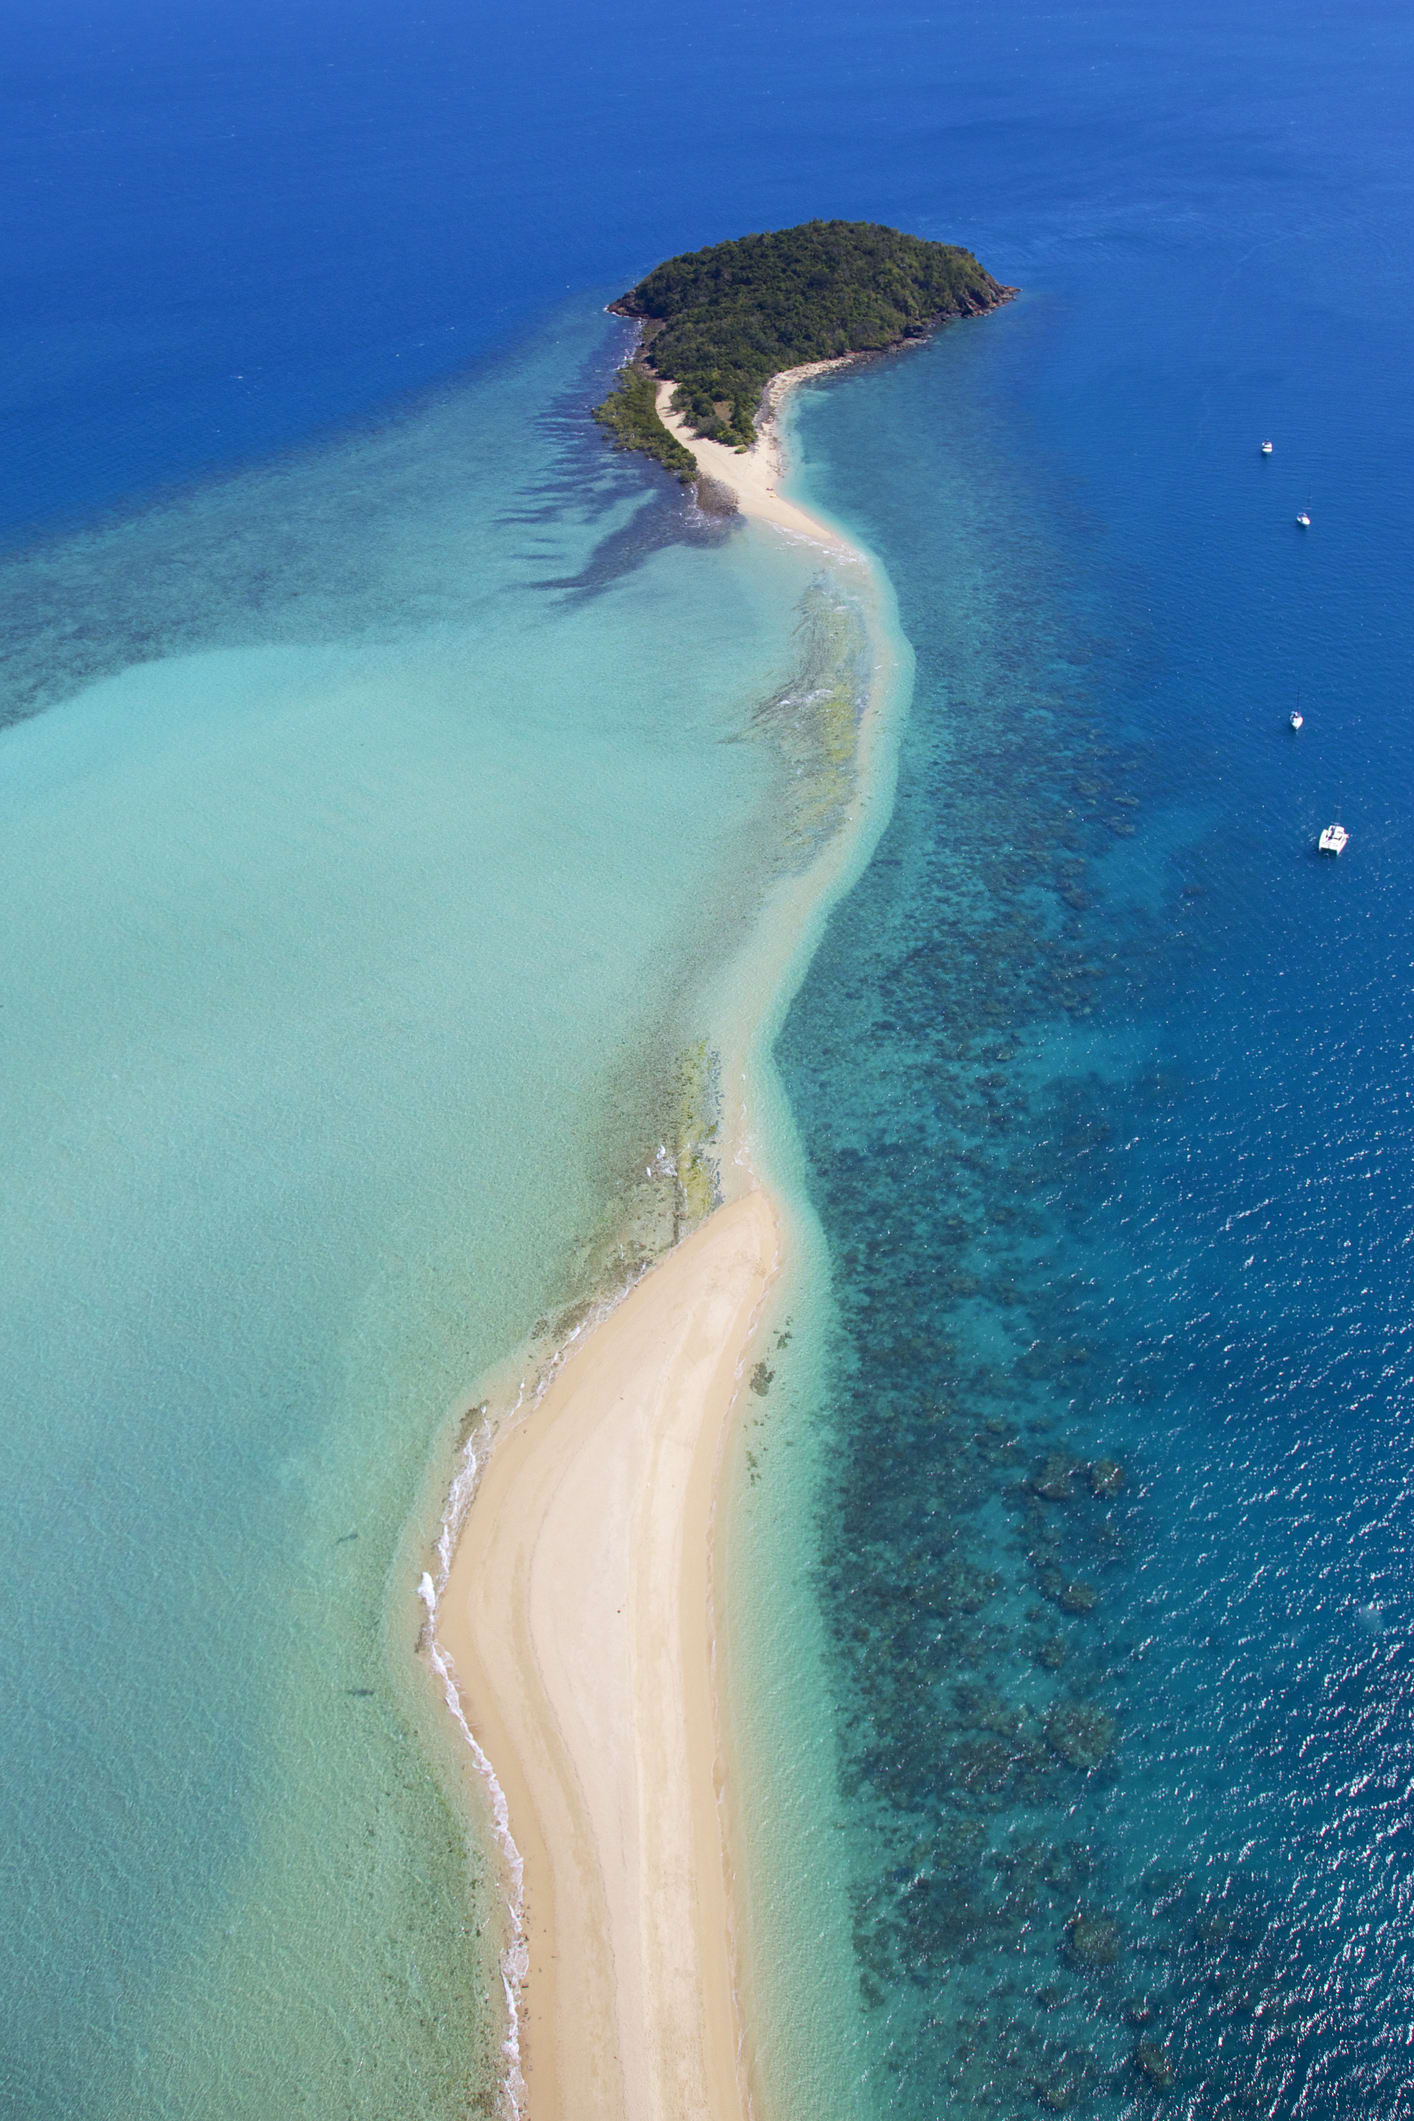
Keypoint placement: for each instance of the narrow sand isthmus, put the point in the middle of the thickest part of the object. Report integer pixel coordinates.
(577, 1615)
(578, 1612)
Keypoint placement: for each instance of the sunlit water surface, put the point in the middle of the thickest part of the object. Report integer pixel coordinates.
(1102, 1077)
(387, 807)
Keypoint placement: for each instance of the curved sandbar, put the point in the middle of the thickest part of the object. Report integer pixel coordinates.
(578, 1616)
(578, 1620)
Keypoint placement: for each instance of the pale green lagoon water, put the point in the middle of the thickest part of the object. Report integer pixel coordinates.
(388, 816)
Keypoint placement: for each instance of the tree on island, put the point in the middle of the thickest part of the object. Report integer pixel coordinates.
(721, 322)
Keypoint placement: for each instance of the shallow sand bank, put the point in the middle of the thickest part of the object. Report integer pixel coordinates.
(578, 1617)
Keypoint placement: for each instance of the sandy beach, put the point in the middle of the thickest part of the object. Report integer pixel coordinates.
(754, 476)
(577, 1616)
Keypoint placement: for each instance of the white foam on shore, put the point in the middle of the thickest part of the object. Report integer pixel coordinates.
(515, 1954)
(514, 1958)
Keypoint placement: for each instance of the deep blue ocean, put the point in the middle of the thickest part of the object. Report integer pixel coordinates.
(1103, 1078)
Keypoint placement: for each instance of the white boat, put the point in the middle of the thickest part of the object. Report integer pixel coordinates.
(1333, 840)
(1296, 718)
(1304, 520)
(1266, 449)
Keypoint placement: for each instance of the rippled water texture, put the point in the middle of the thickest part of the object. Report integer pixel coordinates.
(1103, 1082)
(1096, 1571)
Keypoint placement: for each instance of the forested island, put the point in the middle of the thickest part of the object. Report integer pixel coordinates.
(721, 322)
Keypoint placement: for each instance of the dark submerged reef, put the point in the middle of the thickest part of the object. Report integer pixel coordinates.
(1068, 1895)
(981, 1507)
(721, 322)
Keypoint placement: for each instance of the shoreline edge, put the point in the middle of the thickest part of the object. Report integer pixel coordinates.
(573, 1627)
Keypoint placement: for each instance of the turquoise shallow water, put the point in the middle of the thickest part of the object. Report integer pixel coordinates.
(351, 946)
(1100, 1083)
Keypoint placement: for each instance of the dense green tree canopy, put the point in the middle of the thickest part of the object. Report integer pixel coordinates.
(630, 413)
(721, 322)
